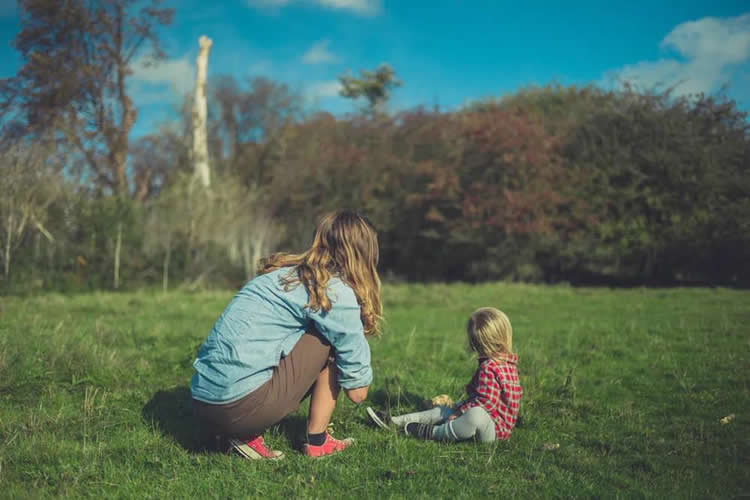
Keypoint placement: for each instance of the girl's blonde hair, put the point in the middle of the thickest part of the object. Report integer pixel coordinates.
(490, 333)
(345, 244)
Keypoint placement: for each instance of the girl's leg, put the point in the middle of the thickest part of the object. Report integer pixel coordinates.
(323, 400)
(433, 416)
(474, 423)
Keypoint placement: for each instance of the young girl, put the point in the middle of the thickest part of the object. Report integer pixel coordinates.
(297, 329)
(494, 393)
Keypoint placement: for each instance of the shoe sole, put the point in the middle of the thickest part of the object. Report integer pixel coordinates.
(374, 417)
(245, 451)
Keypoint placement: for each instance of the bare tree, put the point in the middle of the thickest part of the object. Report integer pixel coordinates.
(250, 232)
(232, 218)
(162, 156)
(250, 125)
(237, 219)
(200, 141)
(28, 185)
(165, 223)
(77, 56)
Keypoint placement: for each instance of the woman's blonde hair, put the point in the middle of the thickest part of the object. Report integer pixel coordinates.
(345, 244)
(490, 332)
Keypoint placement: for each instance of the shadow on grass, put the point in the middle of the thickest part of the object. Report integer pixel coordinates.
(294, 427)
(170, 411)
(394, 397)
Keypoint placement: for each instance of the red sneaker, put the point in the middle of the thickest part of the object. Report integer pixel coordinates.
(329, 447)
(254, 449)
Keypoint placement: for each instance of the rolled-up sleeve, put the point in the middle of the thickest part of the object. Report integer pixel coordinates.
(342, 327)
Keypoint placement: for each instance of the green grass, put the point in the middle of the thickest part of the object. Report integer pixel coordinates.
(632, 384)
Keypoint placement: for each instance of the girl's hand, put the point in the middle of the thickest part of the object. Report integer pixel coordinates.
(454, 415)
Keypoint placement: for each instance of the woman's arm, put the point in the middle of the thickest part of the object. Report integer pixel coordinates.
(342, 327)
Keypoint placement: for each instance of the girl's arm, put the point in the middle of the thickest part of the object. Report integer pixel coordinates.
(487, 391)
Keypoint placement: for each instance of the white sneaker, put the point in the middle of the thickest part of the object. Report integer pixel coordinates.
(381, 419)
(255, 449)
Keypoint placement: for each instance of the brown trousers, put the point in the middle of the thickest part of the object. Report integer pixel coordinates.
(290, 383)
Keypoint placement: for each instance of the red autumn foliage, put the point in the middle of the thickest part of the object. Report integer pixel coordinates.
(502, 171)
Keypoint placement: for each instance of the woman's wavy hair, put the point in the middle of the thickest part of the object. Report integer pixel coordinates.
(345, 244)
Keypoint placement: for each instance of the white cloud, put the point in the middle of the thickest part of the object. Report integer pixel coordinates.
(709, 50)
(726, 40)
(361, 7)
(686, 78)
(328, 88)
(164, 80)
(268, 4)
(319, 54)
(364, 7)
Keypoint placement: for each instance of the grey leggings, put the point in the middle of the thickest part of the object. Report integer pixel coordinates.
(475, 423)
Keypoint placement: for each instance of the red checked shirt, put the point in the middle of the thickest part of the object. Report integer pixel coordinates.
(496, 388)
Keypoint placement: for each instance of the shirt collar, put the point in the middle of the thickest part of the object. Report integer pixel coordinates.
(502, 358)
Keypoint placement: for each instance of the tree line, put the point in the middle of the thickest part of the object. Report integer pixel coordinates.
(553, 183)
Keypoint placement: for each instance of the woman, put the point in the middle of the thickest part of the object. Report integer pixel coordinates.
(297, 329)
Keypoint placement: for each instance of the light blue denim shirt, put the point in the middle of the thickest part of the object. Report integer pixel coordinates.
(262, 323)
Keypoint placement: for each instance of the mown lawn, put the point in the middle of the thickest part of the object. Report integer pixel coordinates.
(631, 384)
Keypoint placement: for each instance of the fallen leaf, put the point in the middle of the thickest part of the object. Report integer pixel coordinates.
(727, 419)
(442, 400)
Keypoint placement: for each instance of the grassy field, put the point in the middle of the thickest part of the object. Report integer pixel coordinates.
(631, 384)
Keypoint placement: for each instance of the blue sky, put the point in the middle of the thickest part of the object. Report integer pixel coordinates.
(446, 52)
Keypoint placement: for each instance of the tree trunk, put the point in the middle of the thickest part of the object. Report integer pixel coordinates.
(118, 138)
(6, 262)
(200, 143)
(35, 255)
(118, 246)
(190, 239)
(259, 243)
(165, 267)
(246, 259)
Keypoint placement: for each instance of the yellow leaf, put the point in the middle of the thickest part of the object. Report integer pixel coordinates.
(442, 400)
(727, 419)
